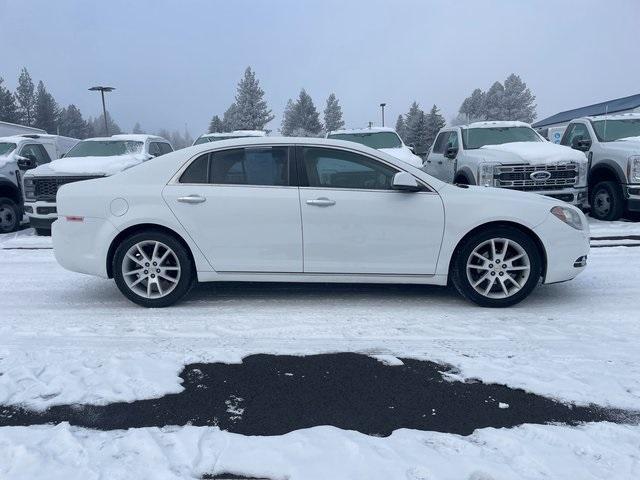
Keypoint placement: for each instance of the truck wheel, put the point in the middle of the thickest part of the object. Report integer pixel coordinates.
(10, 215)
(43, 232)
(153, 269)
(607, 202)
(496, 267)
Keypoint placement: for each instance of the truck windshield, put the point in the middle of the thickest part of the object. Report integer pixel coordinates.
(6, 148)
(374, 139)
(612, 130)
(105, 148)
(473, 138)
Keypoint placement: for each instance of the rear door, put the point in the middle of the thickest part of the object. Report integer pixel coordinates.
(242, 209)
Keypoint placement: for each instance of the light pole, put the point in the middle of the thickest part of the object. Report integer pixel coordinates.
(382, 105)
(102, 89)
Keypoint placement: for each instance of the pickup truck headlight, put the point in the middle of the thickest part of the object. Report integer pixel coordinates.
(583, 168)
(486, 174)
(568, 216)
(29, 188)
(633, 169)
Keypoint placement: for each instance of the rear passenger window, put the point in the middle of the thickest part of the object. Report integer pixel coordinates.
(251, 166)
(198, 171)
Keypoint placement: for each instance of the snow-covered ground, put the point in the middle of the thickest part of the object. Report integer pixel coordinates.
(67, 338)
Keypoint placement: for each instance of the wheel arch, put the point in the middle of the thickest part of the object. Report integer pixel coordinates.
(606, 170)
(10, 190)
(503, 223)
(466, 175)
(138, 228)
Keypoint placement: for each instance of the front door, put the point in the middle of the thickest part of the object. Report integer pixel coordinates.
(241, 207)
(354, 223)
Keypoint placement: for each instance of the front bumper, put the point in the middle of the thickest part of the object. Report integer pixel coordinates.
(40, 214)
(632, 194)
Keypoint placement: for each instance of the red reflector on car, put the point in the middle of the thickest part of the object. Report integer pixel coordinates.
(71, 218)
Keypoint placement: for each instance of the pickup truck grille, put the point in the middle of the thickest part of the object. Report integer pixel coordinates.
(518, 177)
(47, 187)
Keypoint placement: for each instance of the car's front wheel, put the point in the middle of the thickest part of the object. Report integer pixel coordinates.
(153, 269)
(497, 267)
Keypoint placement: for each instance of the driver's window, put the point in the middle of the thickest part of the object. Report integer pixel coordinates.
(154, 149)
(575, 132)
(330, 168)
(37, 152)
(452, 141)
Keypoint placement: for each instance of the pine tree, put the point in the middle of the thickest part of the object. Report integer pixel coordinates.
(301, 117)
(414, 121)
(188, 139)
(517, 100)
(46, 111)
(230, 119)
(401, 128)
(333, 114)
(25, 94)
(289, 120)
(167, 135)
(216, 125)
(8, 108)
(473, 108)
(71, 123)
(494, 102)
(97, 126)
(434, 121)
(251, 109)
(137, 128)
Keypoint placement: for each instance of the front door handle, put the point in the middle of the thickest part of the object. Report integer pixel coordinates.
(321, 202)
(192, 199)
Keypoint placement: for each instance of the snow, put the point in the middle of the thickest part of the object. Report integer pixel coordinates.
(94, 165)
(496, 124)
(361, 130)
(616, 116)
(629, 139)
(235, 133)
(24, 239)
(529, 452)
(535, 152)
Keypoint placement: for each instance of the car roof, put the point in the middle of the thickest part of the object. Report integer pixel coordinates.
(618, 116)
(133, 137)
(495, 124)
(14, 139)
(247, 133)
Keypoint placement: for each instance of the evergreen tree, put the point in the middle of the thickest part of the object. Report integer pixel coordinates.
(414, 126)
(216, 125)
(494, 102)
(473, 108)
(333, 114)
(71, 123)
(230, 119)
(167, 135)
(517, 100)
(188, 139)
(251, 109)
(137, 128)
(401, 128)
(434, 121)
(25, 94)
(97, 126)
(301, 117)
(8, 108)
(46, 111)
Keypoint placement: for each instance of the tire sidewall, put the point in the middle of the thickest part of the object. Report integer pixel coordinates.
(7, 202)
(186, 265)
(459, 266)
(617, 202)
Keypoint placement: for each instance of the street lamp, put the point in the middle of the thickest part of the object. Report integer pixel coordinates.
(104, 109)
(382, 105)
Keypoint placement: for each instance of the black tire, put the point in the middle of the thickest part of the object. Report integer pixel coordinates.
(606, 201)
(187, 270)
(464, 251)
(43, 232)
(10, 215)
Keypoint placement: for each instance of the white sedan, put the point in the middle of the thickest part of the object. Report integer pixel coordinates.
(310, 210)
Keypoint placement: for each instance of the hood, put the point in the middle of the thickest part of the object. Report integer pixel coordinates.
(98, 166)
(533, 153)
(404, 154)
(629, 145)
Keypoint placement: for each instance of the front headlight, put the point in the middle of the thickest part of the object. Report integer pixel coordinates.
(633, 169)
(583, 168)
(29, 188)
(486, 173)
(568, 216)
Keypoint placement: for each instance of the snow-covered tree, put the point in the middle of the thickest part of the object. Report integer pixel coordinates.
(251, 109)
(401, 128)
(494, 102)
(97, 126)
(8, 107)
(25, 94)
(46, 111)
(71, 123)
(517, 100)
(301, 117)
(137, 128)
(473, 107)
(216, 125)
(333, 114)
(434, 121)
(414, 122)
(230, 119)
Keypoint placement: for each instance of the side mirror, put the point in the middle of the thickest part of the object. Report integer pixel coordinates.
(451, 152)
(405, 182)
(412, 147)
(26, 163)
(579, 143)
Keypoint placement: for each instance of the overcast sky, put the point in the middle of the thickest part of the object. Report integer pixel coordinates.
(178, 62)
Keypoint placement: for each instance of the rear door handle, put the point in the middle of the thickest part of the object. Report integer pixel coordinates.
(321, 202)
(192, 199)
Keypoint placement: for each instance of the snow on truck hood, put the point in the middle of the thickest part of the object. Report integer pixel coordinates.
(532, 153)
(90, 165)
(404, 154)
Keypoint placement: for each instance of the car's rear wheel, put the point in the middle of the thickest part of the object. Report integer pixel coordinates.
(153, 269)
(10, 215)
(497, 267)
(607, 202)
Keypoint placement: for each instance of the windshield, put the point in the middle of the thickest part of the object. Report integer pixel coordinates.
(611, 130)
(6, 148)
(473, 138)
(374, 139)
(105, 148)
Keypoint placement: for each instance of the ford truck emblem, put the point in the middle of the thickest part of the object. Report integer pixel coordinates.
(540, 175)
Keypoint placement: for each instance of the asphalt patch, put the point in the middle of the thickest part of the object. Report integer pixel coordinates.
(274, 395)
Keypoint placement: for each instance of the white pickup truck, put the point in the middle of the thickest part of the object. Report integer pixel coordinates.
(91, 158)
(508, 155)
(612, 145)
(381, 138)
(18, 153)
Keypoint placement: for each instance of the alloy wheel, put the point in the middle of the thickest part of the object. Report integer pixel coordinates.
(151, 269)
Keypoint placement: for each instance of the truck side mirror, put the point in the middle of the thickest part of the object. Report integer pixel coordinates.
(412, 147)
(27, 162)
(579, 143)
(451, 152)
